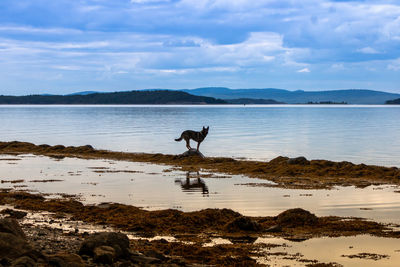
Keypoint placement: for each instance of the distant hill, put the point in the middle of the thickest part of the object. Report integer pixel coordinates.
(393, 102)
(253, 101)
(350, 96)
(85, 93)
(128, 97)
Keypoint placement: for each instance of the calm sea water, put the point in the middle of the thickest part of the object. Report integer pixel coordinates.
(367, 134)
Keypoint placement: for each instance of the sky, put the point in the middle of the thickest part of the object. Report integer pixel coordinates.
(66, 46)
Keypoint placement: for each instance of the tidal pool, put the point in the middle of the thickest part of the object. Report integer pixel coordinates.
(156, 187)
(362, 250)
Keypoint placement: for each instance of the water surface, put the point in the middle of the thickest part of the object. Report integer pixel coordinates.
(361, 134)
(155, 187)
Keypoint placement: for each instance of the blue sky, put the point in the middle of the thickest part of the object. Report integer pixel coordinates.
(64, 46)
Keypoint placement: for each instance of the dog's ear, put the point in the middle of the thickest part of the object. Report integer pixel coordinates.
(204, 128)
(208, 127)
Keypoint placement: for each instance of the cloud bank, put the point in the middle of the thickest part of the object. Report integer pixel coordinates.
(65, 46)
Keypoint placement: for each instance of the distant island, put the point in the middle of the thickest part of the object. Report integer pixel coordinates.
(327, 103)
(393, 102)
(118, 98)
(349, 96)
(253, 101)
(210, 95)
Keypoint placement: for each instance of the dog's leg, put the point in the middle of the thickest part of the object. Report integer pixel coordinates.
(198, 145)
(188, 144)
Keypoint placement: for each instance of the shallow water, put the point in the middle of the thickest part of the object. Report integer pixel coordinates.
(332, 250)
(360, 134)
(278, 251)
(156, 187)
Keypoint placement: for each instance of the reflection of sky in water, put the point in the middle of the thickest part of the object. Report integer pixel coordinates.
(148, 186)
(331, 250)
(368, 134)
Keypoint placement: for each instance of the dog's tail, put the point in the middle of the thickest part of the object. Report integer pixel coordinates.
(178, 139)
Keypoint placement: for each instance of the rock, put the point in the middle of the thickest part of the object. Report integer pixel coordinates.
(14, 213)
(274, 229)
(296, 217)
(298, 161)
(243, 224)
(124, 264)
(24, 261)
(118, 241)
(242, 239)
(11, 226)
(191, 152)
(66, 260)
(12, 240)
(144, 260)
(104, 254)
(155, 254)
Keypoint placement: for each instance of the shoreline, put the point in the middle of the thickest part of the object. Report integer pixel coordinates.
(292, 224)
(218, 237)
(295, 173)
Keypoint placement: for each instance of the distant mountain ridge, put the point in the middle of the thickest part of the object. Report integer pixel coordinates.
(393, 102)
(211, 95)
(127, 97)
(350, 96)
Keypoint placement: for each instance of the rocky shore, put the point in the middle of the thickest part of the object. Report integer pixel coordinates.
(284, 172)
(125, 235)
(190, 232)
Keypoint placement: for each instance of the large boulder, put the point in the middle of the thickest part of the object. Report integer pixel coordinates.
(104, 254)
(11, 226)
(242, 223)
(191, 152)
(24, 261)
(298, 161)
(66, 260)
(13, 242)
(296, 217)
(16, 214)
(117, 241)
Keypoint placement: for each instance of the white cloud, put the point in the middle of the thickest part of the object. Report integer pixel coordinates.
(61, 67)
(36, 30)
(200, 37)
(337, 66)
(368, 50)
(147, 1)
(394, 65)
(304, 70)
(392, 29)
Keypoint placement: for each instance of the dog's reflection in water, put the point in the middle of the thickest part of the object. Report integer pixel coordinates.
(194, 184)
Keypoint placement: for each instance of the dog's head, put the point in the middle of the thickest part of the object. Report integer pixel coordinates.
(205, 130)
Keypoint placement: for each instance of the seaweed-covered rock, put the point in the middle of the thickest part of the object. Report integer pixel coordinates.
(66, 260)
(11, 226)
(192, 152)
(242, 224)
(104, 254)
(298, 161)
(13, 243)
(296, 217)
(14, 213)
(118, 241)
(24, 261)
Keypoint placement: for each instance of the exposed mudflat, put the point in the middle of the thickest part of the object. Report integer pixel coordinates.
(285, 172)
